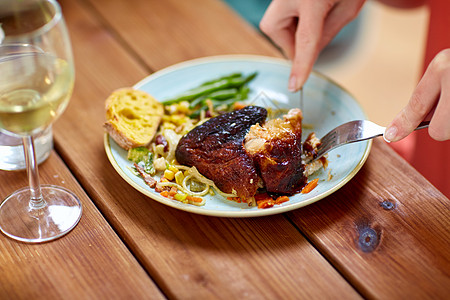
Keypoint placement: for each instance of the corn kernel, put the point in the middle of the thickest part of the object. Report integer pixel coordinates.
(171, 108)
(179, 177)
(170, 175)
(178, 119)
(183, 107)
(168, 125)
(173, 169)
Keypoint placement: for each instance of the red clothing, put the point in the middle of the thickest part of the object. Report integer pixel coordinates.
(439, 28)
(429, 157)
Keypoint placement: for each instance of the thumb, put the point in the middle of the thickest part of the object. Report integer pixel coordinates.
(422, 102)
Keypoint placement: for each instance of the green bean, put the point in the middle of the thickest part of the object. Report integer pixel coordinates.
(224, 94)
(227, 82)
(220, 95)
(243, 80)
(197, 101)
(227, 102)
(232, 75)
(199, 91)
(243, 93)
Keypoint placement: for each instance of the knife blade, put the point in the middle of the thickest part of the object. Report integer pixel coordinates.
(301, 99)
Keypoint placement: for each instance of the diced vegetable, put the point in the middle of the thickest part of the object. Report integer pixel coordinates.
(310, 186)
(179, 177)
(196, 186)
(138, 154)
(173, 169)
(143, 157)
(160, 164)
(180, 197)
(168, 174)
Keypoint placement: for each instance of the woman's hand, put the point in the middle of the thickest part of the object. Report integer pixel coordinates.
(302, 28)
(431, 98)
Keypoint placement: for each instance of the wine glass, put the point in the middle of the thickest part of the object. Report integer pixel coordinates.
(36, 82)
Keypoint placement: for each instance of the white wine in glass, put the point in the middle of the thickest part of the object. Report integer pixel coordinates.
(36, 83)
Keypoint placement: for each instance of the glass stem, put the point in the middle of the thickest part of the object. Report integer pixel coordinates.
(36, 200)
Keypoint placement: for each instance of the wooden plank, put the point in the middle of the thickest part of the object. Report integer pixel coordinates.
(415, 279)
(89, 262)
(162, 33)
(189, 256)
(388, 231)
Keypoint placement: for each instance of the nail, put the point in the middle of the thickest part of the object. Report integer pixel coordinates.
(390, 134)
(292, 86)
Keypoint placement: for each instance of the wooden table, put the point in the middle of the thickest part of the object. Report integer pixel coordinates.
(383, 235)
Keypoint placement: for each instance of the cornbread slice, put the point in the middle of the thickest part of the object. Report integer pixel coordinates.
(132, 117)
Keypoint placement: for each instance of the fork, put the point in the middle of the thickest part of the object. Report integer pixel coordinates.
(350, 132)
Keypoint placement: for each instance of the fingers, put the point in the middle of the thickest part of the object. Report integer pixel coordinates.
(303, 27)
(432, 93)
(320, 21)
(307, 41)
(296, 26)
(279, 24)
(440, 122)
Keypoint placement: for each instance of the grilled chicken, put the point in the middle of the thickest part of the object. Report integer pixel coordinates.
(276, 150)
(239, 150)
(216, 149)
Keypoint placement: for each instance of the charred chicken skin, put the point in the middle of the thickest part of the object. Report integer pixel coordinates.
(216, 149)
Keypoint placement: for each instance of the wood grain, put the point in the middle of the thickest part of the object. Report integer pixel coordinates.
(387, 232)
(383, 235)
(88, 262)
(189, 256)
(162, 33)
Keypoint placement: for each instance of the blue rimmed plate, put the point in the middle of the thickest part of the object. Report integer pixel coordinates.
(326, 105)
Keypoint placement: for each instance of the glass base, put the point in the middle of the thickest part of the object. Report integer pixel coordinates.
(60, 215)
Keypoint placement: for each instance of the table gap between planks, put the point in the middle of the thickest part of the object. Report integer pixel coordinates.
(90, 262)
(383, 235)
